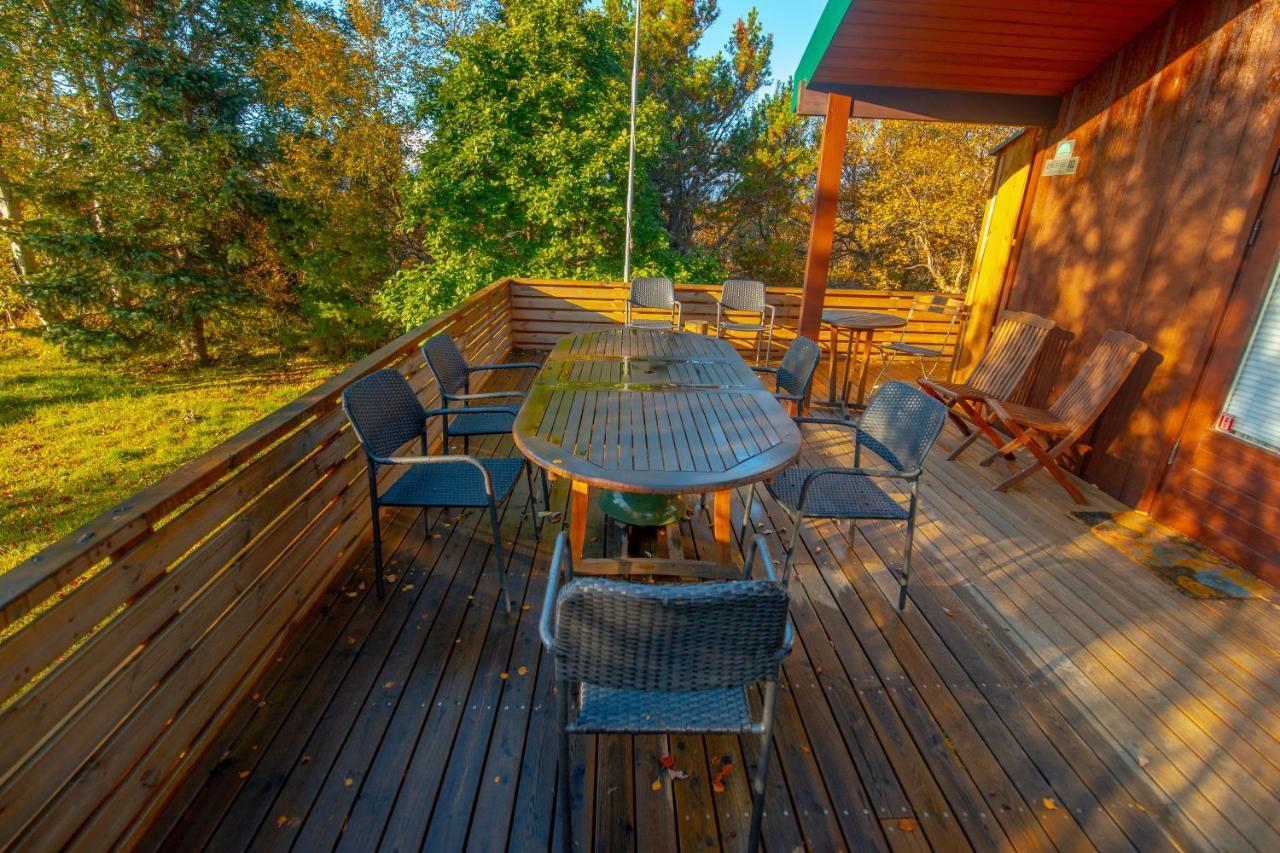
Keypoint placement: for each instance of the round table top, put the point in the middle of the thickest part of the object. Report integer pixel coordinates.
(862, 319)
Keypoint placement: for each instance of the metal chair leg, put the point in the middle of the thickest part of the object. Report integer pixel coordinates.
(796, 520)
(762, 771)
(906, 554)
(746, 511)
(377, 530)
(500, 553)
(565, 770)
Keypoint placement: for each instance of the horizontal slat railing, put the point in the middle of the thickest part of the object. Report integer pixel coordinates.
(543, 310)
(129, 643)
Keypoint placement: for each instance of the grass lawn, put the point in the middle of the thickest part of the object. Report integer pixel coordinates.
(79, 437)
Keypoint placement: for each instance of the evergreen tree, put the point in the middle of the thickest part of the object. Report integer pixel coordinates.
(143, 140)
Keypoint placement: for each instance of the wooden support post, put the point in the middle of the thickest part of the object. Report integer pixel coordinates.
(720, 507)
(580, 490)
(822, 232)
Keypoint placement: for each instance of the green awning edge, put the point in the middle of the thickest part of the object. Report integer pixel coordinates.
(823, 33)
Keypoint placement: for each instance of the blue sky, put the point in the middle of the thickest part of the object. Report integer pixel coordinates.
(790, 21)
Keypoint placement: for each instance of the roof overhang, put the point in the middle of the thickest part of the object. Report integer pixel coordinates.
(987, 61)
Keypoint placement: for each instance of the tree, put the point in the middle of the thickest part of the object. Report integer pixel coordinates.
(523, 171)
(759, 226)
(140, 138)
(707, 128)
(911, 203)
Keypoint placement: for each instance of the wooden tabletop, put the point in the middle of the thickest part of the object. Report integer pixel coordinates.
(863, 320)
(653, 412)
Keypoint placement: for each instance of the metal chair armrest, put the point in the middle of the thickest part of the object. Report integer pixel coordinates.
(546, 626)
(839, 422)
(873, 473)
(485, 395)
(437, 460)
(677, 313)
(466, 410)
(515, 365)
(759, 369)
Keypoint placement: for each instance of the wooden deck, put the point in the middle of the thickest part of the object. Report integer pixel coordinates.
(1041, 691)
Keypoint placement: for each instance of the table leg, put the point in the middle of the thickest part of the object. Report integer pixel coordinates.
(851, 351)
(867, 338)
(722, 526)
(578, 517)
(832, 378)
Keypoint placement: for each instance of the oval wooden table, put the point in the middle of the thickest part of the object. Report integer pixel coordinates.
(653, 412)
(862, 327)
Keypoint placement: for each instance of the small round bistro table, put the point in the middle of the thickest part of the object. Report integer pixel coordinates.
(861, 327)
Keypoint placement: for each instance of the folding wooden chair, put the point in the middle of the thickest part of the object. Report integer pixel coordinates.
(1048, 433)
(1017, 340)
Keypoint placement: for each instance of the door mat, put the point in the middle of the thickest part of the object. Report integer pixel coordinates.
(1178, 560)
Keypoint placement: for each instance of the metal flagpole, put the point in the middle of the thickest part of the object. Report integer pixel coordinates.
(631, 166)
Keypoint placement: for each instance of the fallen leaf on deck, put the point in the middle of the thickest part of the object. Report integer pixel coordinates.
(282, 820)
(497, 779)
(1049, 803)
(657, 785)
(524, 670)
(244, 774)
(804, 748)
(906, 824)
(389, 684)
(525, 606)
(407, 587)
(504, 676)
(725, 771)
(717, 787)
(391, 578)
(352, 594)
(666, 761)
(678, 774)
(1143, 761)
(948, 611)
(348, 781)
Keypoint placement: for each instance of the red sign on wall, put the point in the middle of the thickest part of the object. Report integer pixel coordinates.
(1227, 422)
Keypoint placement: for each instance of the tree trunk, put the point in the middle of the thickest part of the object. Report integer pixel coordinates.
(24, 261)
(197, 344)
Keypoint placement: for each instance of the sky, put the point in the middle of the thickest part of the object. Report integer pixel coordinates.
(790, 21)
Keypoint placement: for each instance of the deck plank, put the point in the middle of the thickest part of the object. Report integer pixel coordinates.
(1040, 692)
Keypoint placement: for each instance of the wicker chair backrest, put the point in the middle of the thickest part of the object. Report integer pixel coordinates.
(796, 370)
(446, 362)
(384, 412)
(743, 294)
(669, 637)
(653, 292)
(901, 424)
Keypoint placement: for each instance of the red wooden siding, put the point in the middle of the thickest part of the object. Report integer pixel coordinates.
(1172, 132)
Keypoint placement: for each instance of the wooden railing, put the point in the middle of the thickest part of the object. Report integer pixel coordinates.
(544, 310)
(126, 646)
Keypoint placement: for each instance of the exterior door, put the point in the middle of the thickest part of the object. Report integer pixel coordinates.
(1222, 485)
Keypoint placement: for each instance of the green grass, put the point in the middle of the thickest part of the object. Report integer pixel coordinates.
(77, 437)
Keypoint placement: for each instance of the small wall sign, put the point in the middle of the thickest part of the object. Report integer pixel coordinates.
(1226, 422)
(1063, 161)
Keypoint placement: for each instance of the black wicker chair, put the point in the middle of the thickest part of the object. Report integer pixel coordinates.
(664, 658)
(652, 294)
(900, 425)
(386, 415)
(453, 375)
(746, 296)
(793, 378)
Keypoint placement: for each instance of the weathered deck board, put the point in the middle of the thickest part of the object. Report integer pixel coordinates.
(1040, 692)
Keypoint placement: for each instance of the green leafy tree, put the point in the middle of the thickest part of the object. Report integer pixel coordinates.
(141, 141)
(523, 171)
